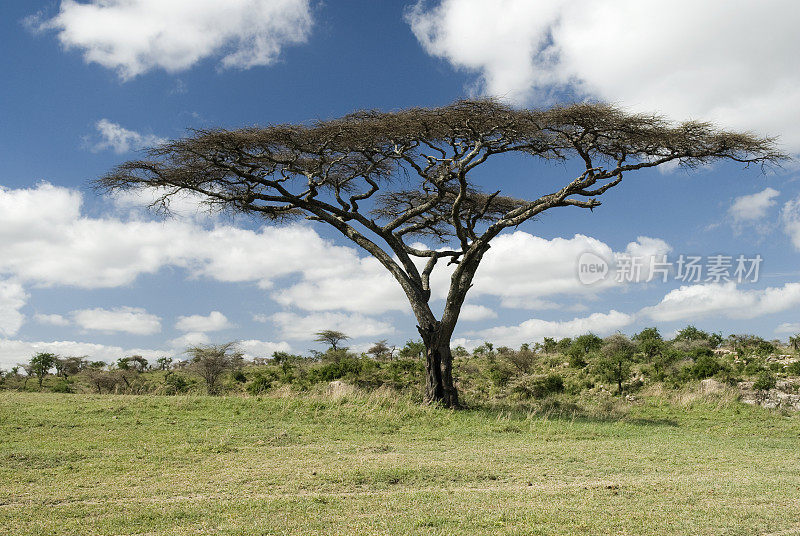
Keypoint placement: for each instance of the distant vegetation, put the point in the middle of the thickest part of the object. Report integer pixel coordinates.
(561, 372)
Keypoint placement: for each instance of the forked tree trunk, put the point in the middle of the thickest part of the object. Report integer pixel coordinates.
(439, 387)
(436, 335)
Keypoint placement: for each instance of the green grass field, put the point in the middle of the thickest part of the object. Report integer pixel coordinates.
(78, 464)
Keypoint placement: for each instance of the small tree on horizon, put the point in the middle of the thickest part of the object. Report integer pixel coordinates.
(794, 342)
(41, 364)
(412, 350)
(617, 357)
(381, 349)
(331, 337)
(211, 361)
(70, 366)
(654, 350)
(388, 181)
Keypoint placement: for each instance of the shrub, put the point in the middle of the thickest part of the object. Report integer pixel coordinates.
(285, 357)
(262, 382)
(683, 375)
(794, 368)
(412, 350)
(700, 351)
(404, 374)
(727, 376)
(563, 344)
(62, 386)
(764, 382)
(691, 334)
(753, 368)
(523, 360)
(538, 386)
(765, 348)
(499, 373)
(346, 366)
(485, 349)
(101, 380)
(587, 342)
(705, 367)
(239, 376)
(176, 383)
(662, 361)
(459, 351)
(576, 357)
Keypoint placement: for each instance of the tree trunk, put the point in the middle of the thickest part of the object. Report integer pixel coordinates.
(439, 388)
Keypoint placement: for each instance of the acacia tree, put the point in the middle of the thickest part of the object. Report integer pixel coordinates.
(211, 361)
(331, 337)
(381, 349)
(69, 366)
(386, 181)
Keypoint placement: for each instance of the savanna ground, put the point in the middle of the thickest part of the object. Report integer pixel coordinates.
(357, 463)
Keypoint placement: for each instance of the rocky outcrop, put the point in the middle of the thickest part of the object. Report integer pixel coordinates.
(710, 385)
(785, 395)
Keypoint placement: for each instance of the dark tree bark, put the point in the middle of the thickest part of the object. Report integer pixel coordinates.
(344, 173)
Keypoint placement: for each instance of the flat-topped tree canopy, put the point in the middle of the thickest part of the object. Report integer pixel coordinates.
(383, 177)
(277, 170)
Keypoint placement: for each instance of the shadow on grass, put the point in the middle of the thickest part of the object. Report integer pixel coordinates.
(562, 411)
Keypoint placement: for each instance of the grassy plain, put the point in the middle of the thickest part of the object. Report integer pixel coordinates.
(373, 464)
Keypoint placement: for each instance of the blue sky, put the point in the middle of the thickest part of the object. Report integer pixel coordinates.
(86, 84)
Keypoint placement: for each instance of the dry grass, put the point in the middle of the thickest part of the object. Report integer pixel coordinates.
(357, 463)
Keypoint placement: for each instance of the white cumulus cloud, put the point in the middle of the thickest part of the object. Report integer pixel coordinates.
(135, 36)
(12, 298)
(194, 338)
(754, 206)
(790, 216)
(46, 241)
(358, 285)
(17, 351)
(791, 328)
(472, 313)
(753, 210)
(690, 302)
(733, 63)
(214, 321)
(294, 326)
(122, 140)
(254, 348)
(52, 319)
(133, 320)
(523, 270)
(534, 330)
